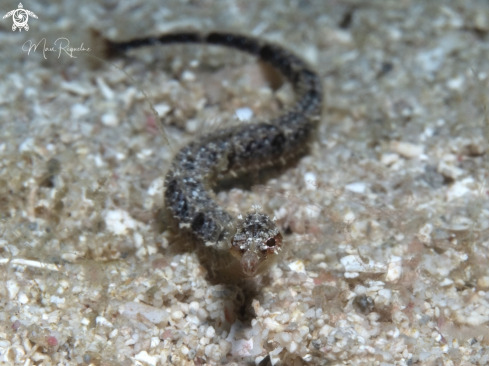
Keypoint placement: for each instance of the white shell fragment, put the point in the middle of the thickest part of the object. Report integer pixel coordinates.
(244, 113)
(406, 149)
(358, 187)
(154, 315)
(353, 264)
(394, 269)
(119, 222)
(297, 266)
(145, 357)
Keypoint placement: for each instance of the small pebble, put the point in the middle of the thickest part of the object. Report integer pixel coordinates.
(244, 114)
(110, 120)
(144, 357)
(79, 110)
(210, 332)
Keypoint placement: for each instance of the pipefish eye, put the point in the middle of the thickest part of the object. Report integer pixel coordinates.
(269, 246)
(272, 245)
(278, 240)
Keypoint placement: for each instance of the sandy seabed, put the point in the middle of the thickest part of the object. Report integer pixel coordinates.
(386, 220)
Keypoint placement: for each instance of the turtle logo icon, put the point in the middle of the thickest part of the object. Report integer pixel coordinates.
(20, 17)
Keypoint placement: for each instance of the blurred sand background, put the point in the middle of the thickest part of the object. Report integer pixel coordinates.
(387, 220)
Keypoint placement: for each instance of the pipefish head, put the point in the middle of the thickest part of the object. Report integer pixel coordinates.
(256, 243)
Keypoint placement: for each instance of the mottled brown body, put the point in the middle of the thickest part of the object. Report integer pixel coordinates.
(242, 246)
